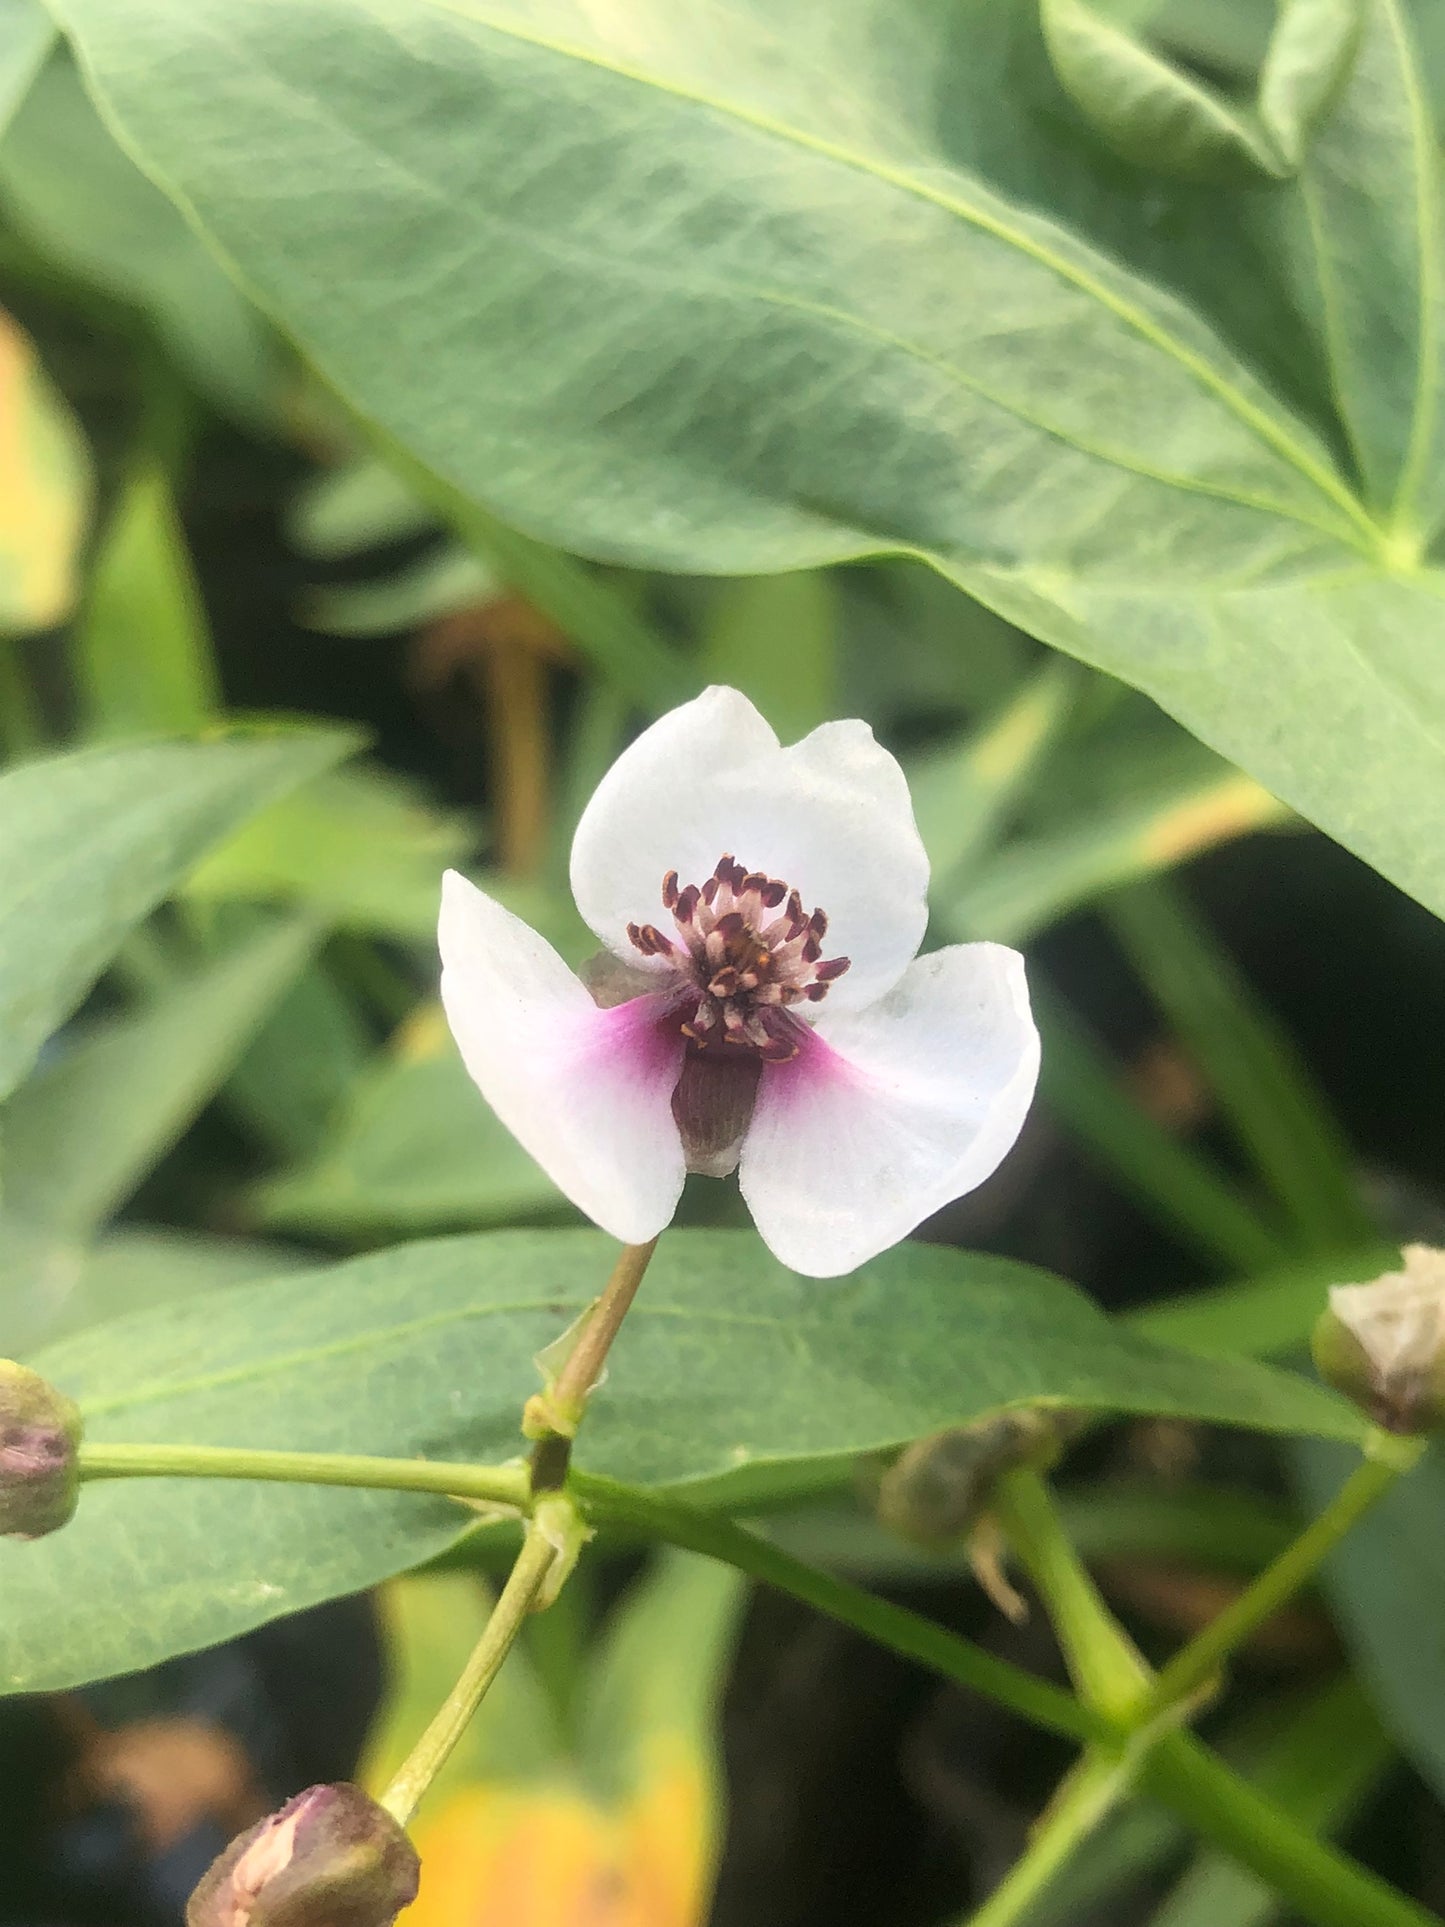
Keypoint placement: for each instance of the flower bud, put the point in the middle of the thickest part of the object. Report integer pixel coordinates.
(329, 1858)
(1383, 1344)
(39, 1436)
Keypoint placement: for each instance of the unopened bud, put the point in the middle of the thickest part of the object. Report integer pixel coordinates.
(39, 1437)
(1383, 1344)
(329, 1858)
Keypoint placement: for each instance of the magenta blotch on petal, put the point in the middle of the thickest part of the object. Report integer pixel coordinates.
(891, 1113)
(587, 1091)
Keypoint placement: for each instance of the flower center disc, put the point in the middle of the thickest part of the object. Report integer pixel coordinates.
(746, 952)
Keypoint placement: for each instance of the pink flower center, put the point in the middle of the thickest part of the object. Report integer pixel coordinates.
(746, 952)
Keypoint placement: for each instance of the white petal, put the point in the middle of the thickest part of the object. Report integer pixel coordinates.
(588, 1092)
(831, 816)
(889, 1114)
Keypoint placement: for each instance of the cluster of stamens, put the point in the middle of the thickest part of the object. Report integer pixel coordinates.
(747, 950)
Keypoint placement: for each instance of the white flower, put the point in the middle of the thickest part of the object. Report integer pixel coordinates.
(761, 1006)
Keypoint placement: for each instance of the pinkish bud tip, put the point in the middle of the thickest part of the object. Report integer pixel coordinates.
(329, 1858)
(39, 1437)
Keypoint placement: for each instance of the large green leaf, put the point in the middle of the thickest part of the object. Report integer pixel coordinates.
(26, 34)
(1366, 241)
(729, 287)
(72, 192)
(735, 1381)
(56, 1283)
(92, 840)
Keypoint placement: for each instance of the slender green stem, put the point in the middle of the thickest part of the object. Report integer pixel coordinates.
(555, 1533)
(1197, 1663)
(587, 1357)
(495, 1484)
(552, 1417)
(1317, 1880)
(429, 1755)
(1108, 1672)
(1085, 1797)
(908, 1633)
(1326, 1886)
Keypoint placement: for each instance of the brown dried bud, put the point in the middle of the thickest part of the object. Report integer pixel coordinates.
(39, 1436)
(936, 1490)
(329, 1858)
(1383, 1344)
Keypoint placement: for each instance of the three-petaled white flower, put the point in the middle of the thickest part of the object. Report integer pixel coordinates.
(761, 1006)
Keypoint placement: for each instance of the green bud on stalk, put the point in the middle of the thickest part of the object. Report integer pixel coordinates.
(39, 1439)
(329, 1858)
(1383, 1343)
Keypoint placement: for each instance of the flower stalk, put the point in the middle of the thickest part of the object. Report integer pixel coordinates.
(1323, 1884)
(1326, 1886)
(654, 1516)
(1086, 1795)
(551, 1417)
(1103, 1663)
(524, 1588)
(1198, 1663)
(555, 1531)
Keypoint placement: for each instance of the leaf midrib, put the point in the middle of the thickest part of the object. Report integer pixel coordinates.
(167, 1391)
(1257, 421)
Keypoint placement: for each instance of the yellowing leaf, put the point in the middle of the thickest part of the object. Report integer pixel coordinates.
(44, 486)
(520, 1830)
(549, 1855)
(1226, 809)
(671, 1829)
(1030, 881)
